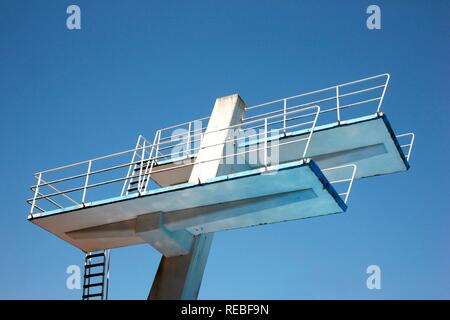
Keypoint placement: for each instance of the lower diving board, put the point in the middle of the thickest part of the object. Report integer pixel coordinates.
(168, 217)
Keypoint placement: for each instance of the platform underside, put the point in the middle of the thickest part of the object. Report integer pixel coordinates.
(290, 191)
(368, 142)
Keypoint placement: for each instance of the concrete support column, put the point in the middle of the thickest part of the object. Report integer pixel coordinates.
(180, 277)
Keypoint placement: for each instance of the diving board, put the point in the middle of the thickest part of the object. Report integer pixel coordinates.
(286, 192)
(369, 142)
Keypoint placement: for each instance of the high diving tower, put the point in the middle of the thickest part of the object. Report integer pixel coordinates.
(243, 166)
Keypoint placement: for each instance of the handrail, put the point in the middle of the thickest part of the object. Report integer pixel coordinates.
(146, 157)
(191, 135)
(143, 167)
(348, 180)
(336, 94)
(407, 145)
(81, 175)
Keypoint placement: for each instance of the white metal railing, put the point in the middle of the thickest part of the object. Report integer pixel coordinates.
(81, 179)
(140, 155)
(406, 145)
(185, 136)
(339, 102)
(79, 183)
(341, 177)
(336, 99)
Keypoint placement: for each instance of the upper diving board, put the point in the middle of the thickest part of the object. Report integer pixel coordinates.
(369, 142)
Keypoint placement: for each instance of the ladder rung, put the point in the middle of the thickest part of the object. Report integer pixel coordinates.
(93, 265)
(137, 181)
(98, 284)
(139, 168)
(94, 255)
(92, 295)
(94, 275)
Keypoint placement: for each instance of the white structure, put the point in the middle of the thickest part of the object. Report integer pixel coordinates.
(287, 159)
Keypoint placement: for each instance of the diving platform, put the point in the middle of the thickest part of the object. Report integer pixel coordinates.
(369, 142)
(151, 193)
(244, 166)
(285, 192)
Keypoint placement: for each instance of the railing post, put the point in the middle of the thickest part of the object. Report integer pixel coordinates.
(413, 136)
(265, 142)
(140, 169)
(152, 158)
(36, 193)
(308, 140)
(384, 91)
(86, 183)
(130, 168)
(338, 105)
(188, 139)
(284, 115)
(108, 264)
(158, 133)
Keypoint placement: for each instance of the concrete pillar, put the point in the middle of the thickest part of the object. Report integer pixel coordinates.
(180, 277)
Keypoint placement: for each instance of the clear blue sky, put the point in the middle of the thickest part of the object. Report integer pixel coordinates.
(136, 66)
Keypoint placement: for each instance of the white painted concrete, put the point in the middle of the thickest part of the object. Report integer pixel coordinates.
(292, 191)
(181, 277)
(151, 229)
(227, 111)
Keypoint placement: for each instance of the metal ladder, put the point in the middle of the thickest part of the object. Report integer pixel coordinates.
(96, 275)
(133, 184)
(139, 173)
(96, 266)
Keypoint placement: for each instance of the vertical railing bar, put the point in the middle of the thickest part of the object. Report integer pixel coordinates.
(108, 253)
(152, 158)
(86, 182)
(140, 168)
(338, 105)
(384, 90)
(35, 194)
(188, 140)
(311, 132)
(131, 166)
(351, 182)
(87, 280)
(150, 162)
(284, 115)
(158, 133)
(200, 163)
(411, 145)
(145, 178)
(265, 142)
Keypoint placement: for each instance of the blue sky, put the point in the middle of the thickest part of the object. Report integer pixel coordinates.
(135, 66)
